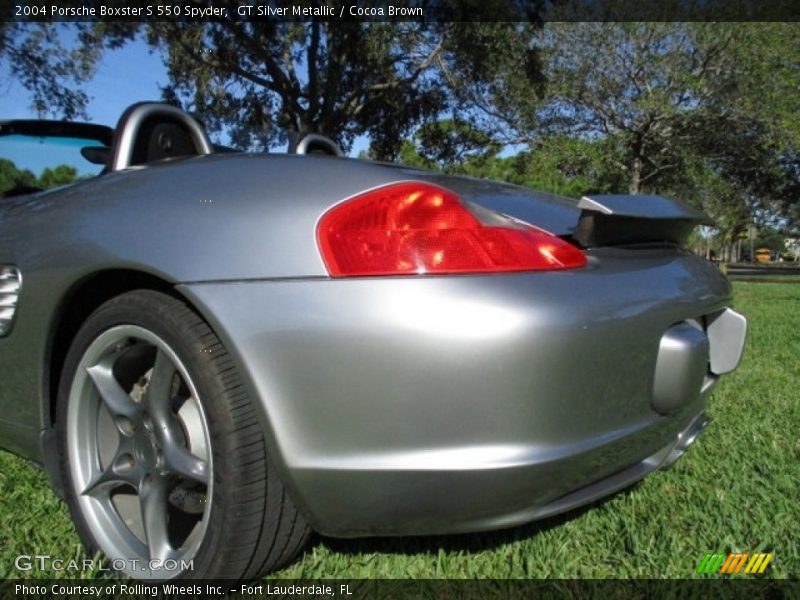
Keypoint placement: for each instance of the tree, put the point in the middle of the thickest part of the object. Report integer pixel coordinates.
(266, 81)
(569, 166)
(52, 61)
(11, 177)
(493, 71)
(707, 111)
(639, 83)
(57, 176)
(449, 142)
(561, 165)
(704, 111)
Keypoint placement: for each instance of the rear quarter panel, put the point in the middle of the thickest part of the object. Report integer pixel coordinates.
(213, 218)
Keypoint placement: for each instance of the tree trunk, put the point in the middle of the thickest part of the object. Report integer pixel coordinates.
(636, 176)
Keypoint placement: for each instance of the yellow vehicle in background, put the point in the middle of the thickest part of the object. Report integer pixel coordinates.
(763, 255)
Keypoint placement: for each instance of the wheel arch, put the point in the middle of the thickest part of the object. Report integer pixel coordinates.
(80, 301)
(270, 532)
(75, 307)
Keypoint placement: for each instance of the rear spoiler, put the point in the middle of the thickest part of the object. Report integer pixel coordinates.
(623, 219)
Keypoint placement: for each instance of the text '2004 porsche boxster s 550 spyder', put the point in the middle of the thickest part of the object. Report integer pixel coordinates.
(214, 353)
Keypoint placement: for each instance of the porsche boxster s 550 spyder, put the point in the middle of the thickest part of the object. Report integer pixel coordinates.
(213, 353)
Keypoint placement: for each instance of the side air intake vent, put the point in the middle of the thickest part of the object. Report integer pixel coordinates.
(10, 284)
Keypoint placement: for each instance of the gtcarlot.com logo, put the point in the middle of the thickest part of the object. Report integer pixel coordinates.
(45, 562)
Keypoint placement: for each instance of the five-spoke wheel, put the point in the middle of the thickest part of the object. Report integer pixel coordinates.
(139, 449)
(163, 455)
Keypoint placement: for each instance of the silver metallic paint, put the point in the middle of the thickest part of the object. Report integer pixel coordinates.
(232, 217)
(531, 384)
(681, 366)
(726, 332)
(390, 404)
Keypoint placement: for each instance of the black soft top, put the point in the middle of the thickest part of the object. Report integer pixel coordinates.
(67, 129)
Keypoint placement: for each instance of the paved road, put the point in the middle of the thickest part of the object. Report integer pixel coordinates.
(764, 271)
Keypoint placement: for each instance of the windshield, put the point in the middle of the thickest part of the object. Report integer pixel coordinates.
(30, 163)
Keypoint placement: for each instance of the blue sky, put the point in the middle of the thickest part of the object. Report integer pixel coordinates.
(124, 76)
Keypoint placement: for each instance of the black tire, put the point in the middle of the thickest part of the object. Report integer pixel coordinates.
(251, 526)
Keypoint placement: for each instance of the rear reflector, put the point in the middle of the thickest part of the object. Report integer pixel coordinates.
(416, 228)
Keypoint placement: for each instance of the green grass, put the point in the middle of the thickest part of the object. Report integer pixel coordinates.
(765, 278)
(736, 490)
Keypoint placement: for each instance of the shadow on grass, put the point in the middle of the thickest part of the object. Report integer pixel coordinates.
(457, 542)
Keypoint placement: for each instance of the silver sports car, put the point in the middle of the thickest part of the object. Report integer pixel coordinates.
(214, 353)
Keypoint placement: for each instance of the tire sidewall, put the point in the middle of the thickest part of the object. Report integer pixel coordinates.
(162, 315)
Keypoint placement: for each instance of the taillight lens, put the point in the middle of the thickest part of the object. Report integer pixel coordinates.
(418, 228)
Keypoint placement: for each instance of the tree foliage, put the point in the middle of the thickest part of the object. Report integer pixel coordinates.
(14, 178)
(340, 80)
(11, 177)
(704, 111)
(52, 62)
(57, 176)
(494, 75)
(707, 111)
(664, 92)
(266, 81)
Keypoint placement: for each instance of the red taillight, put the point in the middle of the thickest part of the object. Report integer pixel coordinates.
(419, 228)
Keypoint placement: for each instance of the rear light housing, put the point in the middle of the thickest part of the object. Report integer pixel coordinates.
(416, 228)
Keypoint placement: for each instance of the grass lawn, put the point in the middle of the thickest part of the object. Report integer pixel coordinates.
(738, 489)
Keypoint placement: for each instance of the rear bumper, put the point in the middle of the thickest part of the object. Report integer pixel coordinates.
(429, 498)
(447, 404)
(664, 458)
